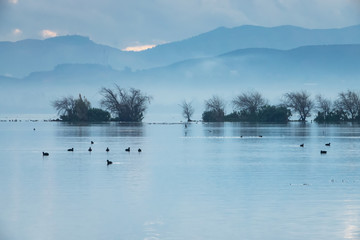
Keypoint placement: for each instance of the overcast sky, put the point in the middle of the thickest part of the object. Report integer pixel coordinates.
(127, 23)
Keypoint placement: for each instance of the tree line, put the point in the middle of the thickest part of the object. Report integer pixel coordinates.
(130, 105)
(248, 107)
(253, 107)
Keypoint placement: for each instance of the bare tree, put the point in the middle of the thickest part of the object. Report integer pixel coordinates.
(323, 104)
(349, 103)
(215, 109)
(187, 110)
(127, 105)
(71, 109)
(299, 102)
(215, 103)
(250, 102)
(64, 106)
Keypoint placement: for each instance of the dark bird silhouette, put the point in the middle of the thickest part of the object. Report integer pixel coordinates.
(323, 152)
(70, 149)
(34, 129)
(327, 144)
(127, 149)
(92, 142)
(108, 162)
(107, 149)
(89, 149)
(45, 154)
(302, 145)
(260, 135)
(139, 150)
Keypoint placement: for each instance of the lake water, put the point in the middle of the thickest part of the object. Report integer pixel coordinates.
(199, 182)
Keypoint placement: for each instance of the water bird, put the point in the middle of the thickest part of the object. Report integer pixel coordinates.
(45, 153)
(70, 149)
(89, 149)
(108, 162)
(34, 129)
(260, 135)
(302, 145)
(107, 149)
(92, 142)
(327, 144)
(323, 152)
(139, 150)
(127, 149)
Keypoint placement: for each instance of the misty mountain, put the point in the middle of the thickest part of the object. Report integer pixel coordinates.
(19, 59)
(223, 40)
(328, 69)
(245, 68)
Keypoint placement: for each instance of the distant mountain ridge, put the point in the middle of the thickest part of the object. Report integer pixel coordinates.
(255, 63)
(19, 59)
(316, 61)
(23, 57)
(223, 40)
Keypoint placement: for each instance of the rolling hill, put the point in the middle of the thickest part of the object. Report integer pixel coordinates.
(19, 59)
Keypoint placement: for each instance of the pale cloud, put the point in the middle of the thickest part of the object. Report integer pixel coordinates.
(17, 31)
(138, 48)
(48, 33)
(13, 1)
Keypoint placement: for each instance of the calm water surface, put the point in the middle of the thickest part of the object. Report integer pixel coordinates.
(199, 182)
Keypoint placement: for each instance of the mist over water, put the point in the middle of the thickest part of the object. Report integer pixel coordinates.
(200, 182)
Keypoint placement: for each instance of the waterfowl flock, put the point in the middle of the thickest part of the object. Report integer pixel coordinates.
(321, 151)
(139, 149)
(108, 162)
